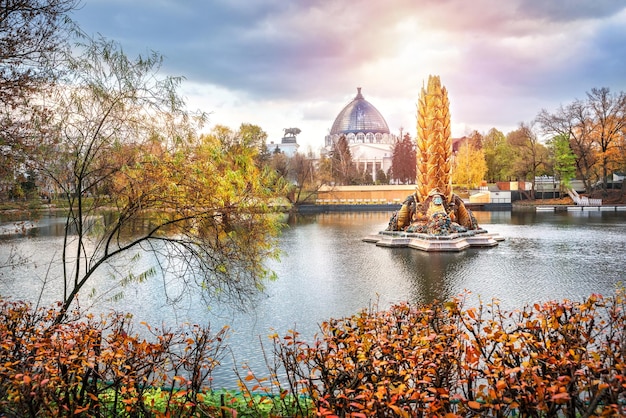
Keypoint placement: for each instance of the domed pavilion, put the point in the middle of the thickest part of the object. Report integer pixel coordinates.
(367, 134)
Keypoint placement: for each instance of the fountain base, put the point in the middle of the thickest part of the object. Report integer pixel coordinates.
(427, 242)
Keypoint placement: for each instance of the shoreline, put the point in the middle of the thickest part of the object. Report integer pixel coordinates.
(535, 205)
(388, 207)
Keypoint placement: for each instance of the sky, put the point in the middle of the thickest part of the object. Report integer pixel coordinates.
(296, 63)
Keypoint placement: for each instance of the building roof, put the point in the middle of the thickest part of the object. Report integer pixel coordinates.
(359, 116)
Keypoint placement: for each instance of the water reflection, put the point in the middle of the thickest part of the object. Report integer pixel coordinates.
(30, 224)
(431, 275)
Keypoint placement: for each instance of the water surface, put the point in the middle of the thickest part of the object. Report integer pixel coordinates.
(327, 271)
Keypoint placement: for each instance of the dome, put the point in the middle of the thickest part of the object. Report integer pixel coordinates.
(359, 116)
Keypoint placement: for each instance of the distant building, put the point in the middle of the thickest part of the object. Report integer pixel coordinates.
(367, 134)
(370, 141)
(288, 144)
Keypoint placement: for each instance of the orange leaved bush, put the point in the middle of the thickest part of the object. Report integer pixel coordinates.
(554, 359)
(99, 367)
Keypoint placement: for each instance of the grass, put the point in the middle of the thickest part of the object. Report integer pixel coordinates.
(222, 403)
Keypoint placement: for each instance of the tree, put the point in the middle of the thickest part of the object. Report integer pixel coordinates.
(475, 139)
(530, 154)
(303, 178)
(469, 166)
(325, 170)
(252, 136)
(609, 114)
(342, 166)
(279, 162)
(564, 160)
(574, 121)
(404, 160)
(622, 160)
(381, 177)
(498, 155)
(122, 128)
(33, 34)
(248, 136)
(255, 137)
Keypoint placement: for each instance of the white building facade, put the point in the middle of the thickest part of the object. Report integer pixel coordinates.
(368, 136)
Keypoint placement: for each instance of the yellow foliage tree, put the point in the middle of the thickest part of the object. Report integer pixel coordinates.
(469, 167)
(127, 148)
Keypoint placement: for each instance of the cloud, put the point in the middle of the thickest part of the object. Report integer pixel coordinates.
(570, 10)
(299, 62)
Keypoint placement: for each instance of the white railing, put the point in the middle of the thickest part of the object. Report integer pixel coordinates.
(583, 200)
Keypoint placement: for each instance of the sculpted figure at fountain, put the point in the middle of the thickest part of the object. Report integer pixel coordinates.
(433, 216)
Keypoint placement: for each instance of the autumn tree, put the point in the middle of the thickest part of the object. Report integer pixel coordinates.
(593, 128)
(574, 121)
(530, 154)
(255, 137)
(279, 162)
(33, 35)
(303, 178)
(469, 167)
(404, 160)
(609, 115)
(475, 139)
(202, 199)
(498, 155)
(248, 136)
(325, 170)
(342, 166)
(621, 145)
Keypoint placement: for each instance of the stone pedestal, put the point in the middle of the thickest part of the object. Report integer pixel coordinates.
(427, 242)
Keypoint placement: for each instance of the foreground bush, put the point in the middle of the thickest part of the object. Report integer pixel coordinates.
(100, 367)
(90, 367)
(556, 359)
(565, 359)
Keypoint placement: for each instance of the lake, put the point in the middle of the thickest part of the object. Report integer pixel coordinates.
(327, 271)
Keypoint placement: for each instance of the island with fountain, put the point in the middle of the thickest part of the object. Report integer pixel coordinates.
(433, 218)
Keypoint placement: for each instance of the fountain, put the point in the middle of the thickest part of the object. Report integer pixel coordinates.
(433, 218)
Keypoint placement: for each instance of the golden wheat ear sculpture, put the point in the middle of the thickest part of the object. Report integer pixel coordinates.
(434, 145)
